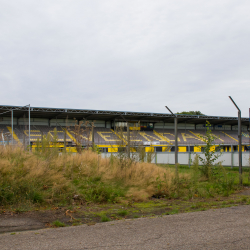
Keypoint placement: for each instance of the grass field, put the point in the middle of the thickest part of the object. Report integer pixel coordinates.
(233, 172)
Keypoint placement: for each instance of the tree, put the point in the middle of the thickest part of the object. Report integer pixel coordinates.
(190, 113)
(210, 155)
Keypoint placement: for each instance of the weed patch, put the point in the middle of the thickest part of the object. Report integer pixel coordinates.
(105, 218)
(123, 213)
(58, 223)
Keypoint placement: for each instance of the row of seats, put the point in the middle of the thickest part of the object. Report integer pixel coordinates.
(105, 136)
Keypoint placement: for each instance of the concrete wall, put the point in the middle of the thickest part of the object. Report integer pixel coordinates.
(7, 120)
(161, 125)
(227, 159)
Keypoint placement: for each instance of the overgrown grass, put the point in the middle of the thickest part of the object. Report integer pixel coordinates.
(223, 181)
(45, 177)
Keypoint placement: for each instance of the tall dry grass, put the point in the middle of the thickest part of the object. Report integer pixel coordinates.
(25, 176)
(39, 177)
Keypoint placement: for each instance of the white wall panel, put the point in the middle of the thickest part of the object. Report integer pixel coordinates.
(183, 158)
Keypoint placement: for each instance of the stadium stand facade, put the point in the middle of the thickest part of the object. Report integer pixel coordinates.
(108, 129)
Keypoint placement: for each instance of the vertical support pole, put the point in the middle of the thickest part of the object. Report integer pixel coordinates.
(232, 156)
(24, 141)
(29, 127)
(93, 137)
(3, 140)
(176, 141)
(12, 138)
(189, 153)
(240, 146)
(239, 136)
(64, 141)
(42, 145)
(128, 140)
(163, 128)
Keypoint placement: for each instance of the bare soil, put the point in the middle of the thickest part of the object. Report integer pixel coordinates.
(90, 214)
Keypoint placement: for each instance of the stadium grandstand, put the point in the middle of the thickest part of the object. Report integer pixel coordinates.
(109, 129)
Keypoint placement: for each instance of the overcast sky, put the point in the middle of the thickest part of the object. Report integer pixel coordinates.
(126, 55)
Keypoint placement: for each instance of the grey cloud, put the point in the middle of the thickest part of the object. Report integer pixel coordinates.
(126, 55)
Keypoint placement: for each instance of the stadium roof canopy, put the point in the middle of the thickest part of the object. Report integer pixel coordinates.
(79, 114)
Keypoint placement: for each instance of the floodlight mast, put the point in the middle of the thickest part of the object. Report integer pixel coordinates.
(176, 137)
(239, 136)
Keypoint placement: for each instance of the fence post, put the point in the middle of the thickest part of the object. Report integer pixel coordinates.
(24, 141)
(29, 129)
(12, 137)
(64, 140)
(128, 140)
(93, 137)
(189, 154)
(232, 156)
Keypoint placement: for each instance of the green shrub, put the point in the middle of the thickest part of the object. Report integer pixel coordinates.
(123, 213)
(105, 218)
(58, 223)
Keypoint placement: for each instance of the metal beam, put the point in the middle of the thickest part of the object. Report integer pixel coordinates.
(110, 115)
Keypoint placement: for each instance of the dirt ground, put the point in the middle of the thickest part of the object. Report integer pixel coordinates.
(30, 220)
(90, 214)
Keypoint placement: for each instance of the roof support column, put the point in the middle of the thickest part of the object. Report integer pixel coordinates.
(93, 137)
